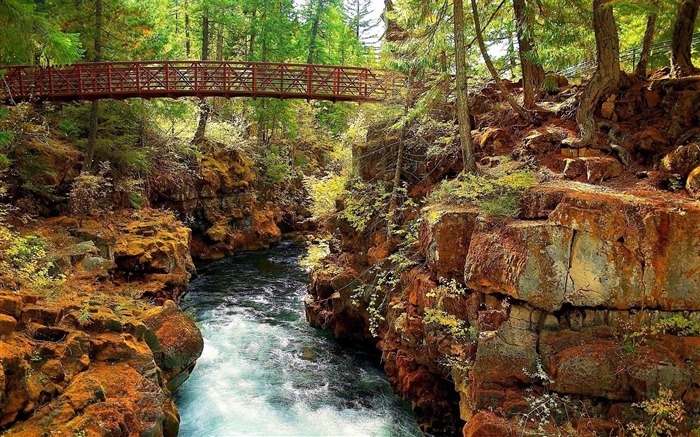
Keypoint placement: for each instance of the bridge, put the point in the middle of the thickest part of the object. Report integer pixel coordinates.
(150, 79)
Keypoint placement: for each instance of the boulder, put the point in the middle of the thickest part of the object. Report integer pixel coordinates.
(630, 251)
(682, 160)
(175, 340)
(11, 305)
(507, 357)
(692, 184)
(592, 369)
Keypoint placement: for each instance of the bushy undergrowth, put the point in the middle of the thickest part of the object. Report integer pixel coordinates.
(23, 261)
(495, 192)
(366, 204)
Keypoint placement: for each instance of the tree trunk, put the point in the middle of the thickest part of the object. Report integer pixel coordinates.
(253, 34)
(205, 35)
(188, 41)
(606, 78)
(511, 56)
(681, 44)
(533, 74)
(220, 42)
(314, 33)
(204, 109)
(641, 68)
(95, 109)
(465, 129)
(492, 69)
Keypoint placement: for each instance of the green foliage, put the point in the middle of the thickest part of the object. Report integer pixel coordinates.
(449, 288)
(68, 128)
(365, 204)
(316, 251)
(23, 261)
(324, 192)
(663, 414)
(672, 325)
(275, 167)
(28, 33)
(496, 193)
(676, 325)
(84, 318)
(121, 130)
(458, 328)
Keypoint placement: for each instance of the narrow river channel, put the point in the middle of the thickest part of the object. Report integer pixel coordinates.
(265, 372)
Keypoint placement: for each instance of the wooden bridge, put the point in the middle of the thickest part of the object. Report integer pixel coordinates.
(150, 79)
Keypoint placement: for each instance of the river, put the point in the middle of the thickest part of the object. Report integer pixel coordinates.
(265, 372)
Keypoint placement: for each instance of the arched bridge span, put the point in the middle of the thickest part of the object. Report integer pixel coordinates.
(150, 79)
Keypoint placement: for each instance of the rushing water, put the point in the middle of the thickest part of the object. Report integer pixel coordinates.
(265, 372)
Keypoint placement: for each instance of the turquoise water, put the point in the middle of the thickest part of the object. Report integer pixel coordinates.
(265, 372)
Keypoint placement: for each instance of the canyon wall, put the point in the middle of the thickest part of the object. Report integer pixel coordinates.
(580, 316)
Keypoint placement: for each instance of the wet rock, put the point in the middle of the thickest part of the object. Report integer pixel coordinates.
(176, 342)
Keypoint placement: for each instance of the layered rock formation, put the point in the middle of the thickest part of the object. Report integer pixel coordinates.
(562, 321)
(221, 206)
(575, 301)
(94, 357)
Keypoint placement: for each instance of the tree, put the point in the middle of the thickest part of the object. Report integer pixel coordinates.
(28, 35)
(489, 64)
(94, 112)
(204, 108)
(533, 74)
(358, 12)
(641, 68)
(316, 8)
(606, 78)
(465, 130)
(681, 44)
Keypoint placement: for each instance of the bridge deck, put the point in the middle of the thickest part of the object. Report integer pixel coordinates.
(149, 79)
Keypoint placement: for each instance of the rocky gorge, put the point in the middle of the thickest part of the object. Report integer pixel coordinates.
(101, 349)
(565, 319)
(553, 294)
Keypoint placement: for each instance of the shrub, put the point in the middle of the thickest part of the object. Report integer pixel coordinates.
(89, 194)
(365, 204)
(496, 193)
(323, 193)
(275, 168)
(23, 260)
(663, 414)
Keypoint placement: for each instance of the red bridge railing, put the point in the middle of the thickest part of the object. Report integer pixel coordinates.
(149, 79)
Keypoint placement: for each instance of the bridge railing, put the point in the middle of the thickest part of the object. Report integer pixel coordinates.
(89, 81)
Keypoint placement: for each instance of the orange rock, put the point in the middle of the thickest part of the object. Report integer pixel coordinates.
(692, 184)
(445, 235)
(485, 424)
(526, 260)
